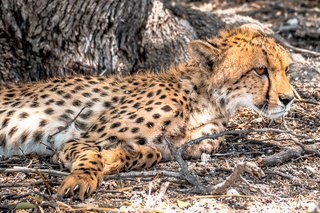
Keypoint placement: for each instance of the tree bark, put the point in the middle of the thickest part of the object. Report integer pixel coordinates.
(40, 39)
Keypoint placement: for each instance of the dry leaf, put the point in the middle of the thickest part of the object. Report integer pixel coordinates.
(183, 204)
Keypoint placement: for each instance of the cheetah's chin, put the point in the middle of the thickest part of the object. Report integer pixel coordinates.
(274, 113)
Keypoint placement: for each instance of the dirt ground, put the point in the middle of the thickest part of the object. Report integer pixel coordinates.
(293, 186)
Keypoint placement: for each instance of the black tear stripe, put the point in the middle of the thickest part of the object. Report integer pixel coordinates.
(269, 86)
(267, 74)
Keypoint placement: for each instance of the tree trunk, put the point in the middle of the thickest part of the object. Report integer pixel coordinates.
(40, 39)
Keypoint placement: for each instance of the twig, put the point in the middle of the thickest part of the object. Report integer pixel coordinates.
(49, 140)
(29, 164)
(296, 94)
(297, 49)
(226, 154)
(46, 182)
(269, 172)
(307, 101)
(235, 154)
(223, 196)
(31, 170)
(135, 174)
(284, 122)
(301, 50)
(47, 146)
(163, 190)
(262, 142)
(303, 157)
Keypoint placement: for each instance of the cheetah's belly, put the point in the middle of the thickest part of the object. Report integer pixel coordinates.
(37, 133)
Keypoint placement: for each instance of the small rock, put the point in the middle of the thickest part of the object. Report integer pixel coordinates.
(297, 57)
(258, 120)
(205, 157)
(269, 152)
(313, 208)
(233, 192)
(293, 22)
(311, 169)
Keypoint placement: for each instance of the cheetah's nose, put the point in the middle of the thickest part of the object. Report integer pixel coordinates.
(286, 99)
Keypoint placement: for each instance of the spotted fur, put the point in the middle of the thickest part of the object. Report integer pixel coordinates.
(103, 124)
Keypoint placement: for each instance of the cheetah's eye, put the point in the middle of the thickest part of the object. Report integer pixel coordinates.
(261, 70)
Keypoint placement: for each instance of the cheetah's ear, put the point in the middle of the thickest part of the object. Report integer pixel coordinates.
(203, 52)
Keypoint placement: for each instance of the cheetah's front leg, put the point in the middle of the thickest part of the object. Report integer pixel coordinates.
(88, 167)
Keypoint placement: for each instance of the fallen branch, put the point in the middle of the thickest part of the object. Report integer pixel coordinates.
(132, 174)
(135, 174)
(177, 153)
(235, 176)
(31, 170)
(271, 160)
(198, 188)
(35, 183)
(289, 154)
(241, 167)
(237, 132)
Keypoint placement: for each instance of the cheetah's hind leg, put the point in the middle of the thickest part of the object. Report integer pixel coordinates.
(88, 167)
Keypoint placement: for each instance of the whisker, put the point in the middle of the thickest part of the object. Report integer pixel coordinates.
(263, 110)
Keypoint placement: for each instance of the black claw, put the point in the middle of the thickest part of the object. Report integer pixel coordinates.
(76, 188)
(88, 190)
(67, 192)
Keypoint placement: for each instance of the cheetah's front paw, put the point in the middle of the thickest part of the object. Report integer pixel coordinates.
(207, 146)
(78, 184)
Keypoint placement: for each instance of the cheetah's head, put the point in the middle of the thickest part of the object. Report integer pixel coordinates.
(246, 68)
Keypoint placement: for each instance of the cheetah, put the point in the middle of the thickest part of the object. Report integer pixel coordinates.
(99, 125)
